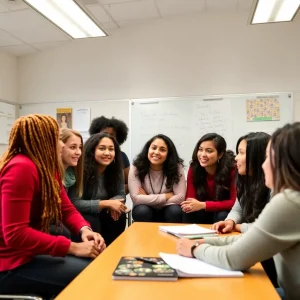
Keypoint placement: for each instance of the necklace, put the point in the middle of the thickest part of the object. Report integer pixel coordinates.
(162, 182)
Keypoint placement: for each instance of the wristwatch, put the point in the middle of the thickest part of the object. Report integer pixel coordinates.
(196, 244)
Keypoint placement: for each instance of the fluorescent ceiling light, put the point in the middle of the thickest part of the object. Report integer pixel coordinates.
(68, 16)
(268, 11)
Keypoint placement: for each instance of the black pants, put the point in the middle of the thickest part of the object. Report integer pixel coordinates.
(167, 214)
(104, 224)
(45, 276)
(204, 217)
(269, 267)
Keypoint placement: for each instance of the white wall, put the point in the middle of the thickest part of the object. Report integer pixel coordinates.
(207, 54)
(8, 82)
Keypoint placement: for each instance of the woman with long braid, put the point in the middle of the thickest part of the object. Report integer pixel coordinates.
(31, 197)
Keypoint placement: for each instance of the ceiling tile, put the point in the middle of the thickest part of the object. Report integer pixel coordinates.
(14, 5)
(180, 7)
(117, 1)
(109, 26)
(221, 5)
(245, 5)
(2, 8)
(19, 50)
(7, 40)
(30, 27)
(130, 11)
(44, 46)
(99, 13)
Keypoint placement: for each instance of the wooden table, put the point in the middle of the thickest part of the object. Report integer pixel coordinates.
(144, 239)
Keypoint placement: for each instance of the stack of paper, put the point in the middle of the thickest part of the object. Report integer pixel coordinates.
(192, 267)
(189, 231)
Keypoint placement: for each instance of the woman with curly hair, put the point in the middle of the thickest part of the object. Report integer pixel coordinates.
(157, 182)
(103, 198)
(211, 188)
(119, 130)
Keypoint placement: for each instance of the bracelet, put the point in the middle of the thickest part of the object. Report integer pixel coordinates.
(80, 231)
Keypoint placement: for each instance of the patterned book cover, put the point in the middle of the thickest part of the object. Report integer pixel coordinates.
(154, 268)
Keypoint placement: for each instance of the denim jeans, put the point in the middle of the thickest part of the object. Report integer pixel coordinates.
(169, 214)
(44, 275)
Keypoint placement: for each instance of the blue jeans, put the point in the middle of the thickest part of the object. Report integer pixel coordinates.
(44, 275)
(167, 214)
(280, 292)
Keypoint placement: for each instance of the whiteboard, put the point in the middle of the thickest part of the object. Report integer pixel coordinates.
(118, 109)
(7, 118)
(186, 119)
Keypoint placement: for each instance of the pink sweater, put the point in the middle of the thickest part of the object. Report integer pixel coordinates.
(156, 197)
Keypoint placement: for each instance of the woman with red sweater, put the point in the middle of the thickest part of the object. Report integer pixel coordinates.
(31, 198)
(211, 189)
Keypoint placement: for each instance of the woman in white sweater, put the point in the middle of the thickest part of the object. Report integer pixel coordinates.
(157, 182)
(276, 232)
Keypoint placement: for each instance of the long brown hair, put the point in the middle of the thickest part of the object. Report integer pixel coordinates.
(36, 136)
(285, 162)
(64, 135)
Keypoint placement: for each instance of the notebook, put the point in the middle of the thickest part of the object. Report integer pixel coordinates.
(192, 267)
(192, 231)
(130, 268)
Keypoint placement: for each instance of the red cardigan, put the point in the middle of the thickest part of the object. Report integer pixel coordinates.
(20, 216)
(212, 205)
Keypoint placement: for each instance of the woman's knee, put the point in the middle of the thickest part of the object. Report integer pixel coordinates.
(173, 214)
(142, 213)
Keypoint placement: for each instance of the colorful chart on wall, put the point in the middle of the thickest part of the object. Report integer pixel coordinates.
(263, 109)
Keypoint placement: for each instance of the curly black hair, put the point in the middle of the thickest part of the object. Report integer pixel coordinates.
(100, 123)
(223, 171)
(252, 193)
(113, 173)
(170, 167)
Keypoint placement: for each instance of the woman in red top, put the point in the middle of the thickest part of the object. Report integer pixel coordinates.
(211, 189)
(31, 197)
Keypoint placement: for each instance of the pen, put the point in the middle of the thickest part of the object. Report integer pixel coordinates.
(147, 260)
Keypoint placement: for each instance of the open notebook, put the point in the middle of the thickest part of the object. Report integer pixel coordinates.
(192, 267)
(188, 231)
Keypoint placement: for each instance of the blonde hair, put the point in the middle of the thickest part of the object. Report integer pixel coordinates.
(36, 136)
(64, 135)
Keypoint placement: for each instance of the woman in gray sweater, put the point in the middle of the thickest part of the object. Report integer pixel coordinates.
(276, 233)
(103, 199)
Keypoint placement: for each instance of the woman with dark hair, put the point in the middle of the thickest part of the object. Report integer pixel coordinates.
(157, 182)
(103, 198)
(252, 194)
(210, 182)
(119, 130)
(276, 232)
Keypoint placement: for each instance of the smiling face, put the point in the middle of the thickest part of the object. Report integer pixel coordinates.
(105, 152)
(241, 158)
(207, 154)
(72, 151)
(157, 153)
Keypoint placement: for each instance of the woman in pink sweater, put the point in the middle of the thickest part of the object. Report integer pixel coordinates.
(157, 183)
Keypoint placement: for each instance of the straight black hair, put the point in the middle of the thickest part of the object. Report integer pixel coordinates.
(252, 193)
